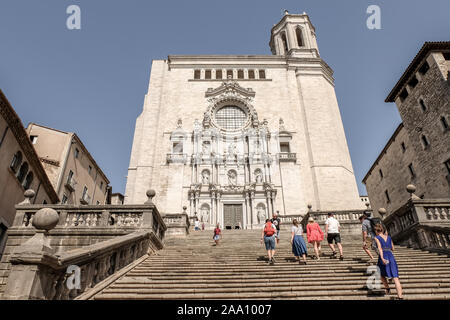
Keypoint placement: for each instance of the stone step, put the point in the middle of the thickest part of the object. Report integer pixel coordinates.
(193, 268)
(303, 294)
(309, 284)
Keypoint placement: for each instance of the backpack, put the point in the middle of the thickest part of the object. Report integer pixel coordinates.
(374, 222)
(268, 229)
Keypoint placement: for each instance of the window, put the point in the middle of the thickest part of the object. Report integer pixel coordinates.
(447, 165)
(251, 74)
(411, 170)
(284, 41)
(16, 161)
(44, 202)
(207, 74)
(197, 74)
(70, 177)
(230, 117)
(240, 74)
(230, 74)
(218, 74)
(90, 169)
(444, 123)
(386, 193)
(262, 74)
(22, 172)
(403, 147)
(403, 95)
(85, 191)
(413, 82)
(33, 139)
(425, 142)
(422, 105)
(64, 199)
(28, 181)
(381, 173)
(284, 147)
(446, 55)
(101, 185)
(424, 68)
(77, 153)
(177, 147)
(298, 33)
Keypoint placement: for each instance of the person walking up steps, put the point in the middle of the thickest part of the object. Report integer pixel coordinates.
(386, 260)
(277, 222)
(217, 234)
(368, 237)
(315, 236)
(333, 233)
(268, 235)
(298, 244)
(196, 225)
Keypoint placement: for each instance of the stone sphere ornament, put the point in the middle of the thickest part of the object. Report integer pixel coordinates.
(411, 188)
(45, 219)
(382, 212)
(29, 193)
(150, 195)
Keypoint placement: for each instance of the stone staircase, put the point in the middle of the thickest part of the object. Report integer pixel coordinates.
(193, 268)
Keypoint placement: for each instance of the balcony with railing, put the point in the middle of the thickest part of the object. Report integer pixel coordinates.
(287, 156)
(71, 184)
(85, 199)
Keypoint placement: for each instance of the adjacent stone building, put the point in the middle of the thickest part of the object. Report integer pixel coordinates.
(20, 169)
(419, 150)
(70, 167)
(236, 137)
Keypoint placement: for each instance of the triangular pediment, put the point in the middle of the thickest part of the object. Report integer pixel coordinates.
(230, 86)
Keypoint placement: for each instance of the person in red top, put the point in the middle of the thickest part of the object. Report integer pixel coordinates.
(315, 236)
(217, 234)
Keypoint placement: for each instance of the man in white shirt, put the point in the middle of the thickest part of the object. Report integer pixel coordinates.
(332, 232)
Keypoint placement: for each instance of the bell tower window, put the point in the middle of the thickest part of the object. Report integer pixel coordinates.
(284, 41)
(298, 33)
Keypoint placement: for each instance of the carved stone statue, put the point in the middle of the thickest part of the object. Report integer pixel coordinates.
(179, 123)
(261, 214)
(205, 214)
(258, 176)
(232, 150)
(205, 147)
(205, 177)
(232, 178)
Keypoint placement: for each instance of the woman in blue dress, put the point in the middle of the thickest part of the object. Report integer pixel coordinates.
(386, 260)
(298, 243)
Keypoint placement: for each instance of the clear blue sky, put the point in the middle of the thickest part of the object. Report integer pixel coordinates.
(93, 81)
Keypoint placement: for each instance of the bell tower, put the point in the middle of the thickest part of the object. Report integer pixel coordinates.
(294, 36)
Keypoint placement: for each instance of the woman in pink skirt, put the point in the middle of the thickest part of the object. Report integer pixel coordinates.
(315, 236)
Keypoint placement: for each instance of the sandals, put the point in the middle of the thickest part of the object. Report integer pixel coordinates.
(341, 258)
(387, 290)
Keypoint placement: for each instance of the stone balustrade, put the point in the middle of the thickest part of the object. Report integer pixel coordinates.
(348, 219)
(100, 228)
(177, 224)
(421, 224)
(94, 263)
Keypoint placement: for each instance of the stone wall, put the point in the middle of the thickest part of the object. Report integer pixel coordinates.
(434, 89)
(431, 177)
(393, 163)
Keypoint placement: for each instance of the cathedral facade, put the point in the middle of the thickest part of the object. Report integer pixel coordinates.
(235, 138)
